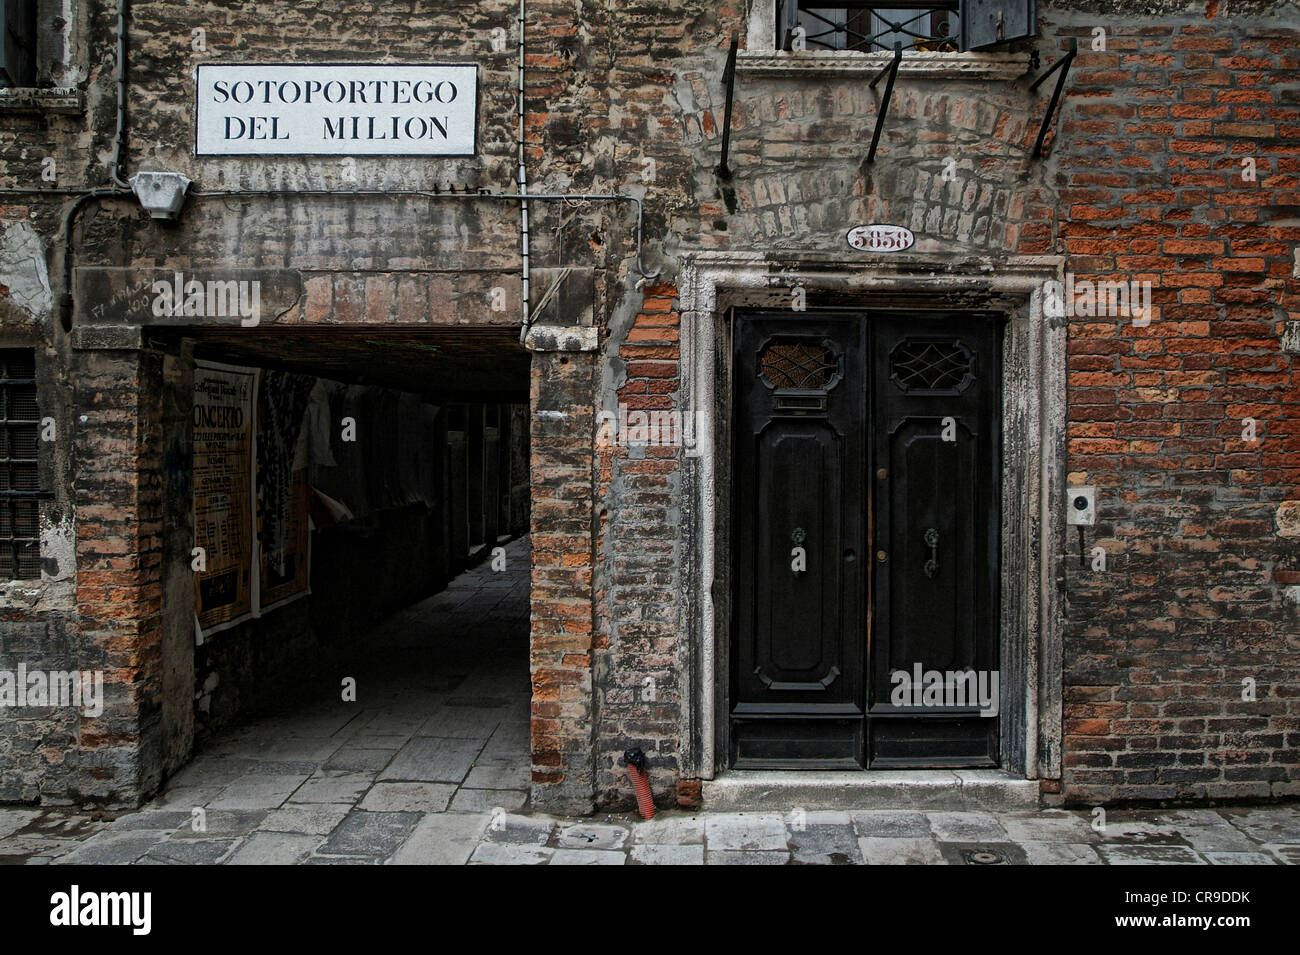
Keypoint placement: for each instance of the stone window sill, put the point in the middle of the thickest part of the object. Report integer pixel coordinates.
(27, 100)
(922, 64)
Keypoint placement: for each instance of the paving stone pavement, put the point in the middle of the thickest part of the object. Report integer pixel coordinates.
(431, 766)
(350, 834)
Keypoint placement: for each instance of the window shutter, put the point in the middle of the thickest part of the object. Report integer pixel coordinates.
(988, 23)
(18, 51)
(787, 18)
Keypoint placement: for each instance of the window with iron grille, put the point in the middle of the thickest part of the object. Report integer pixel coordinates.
(873, 27)
(877, 26)
(20, 422)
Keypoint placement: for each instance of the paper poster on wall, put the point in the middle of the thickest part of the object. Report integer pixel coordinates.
(223, 523)
(284, 535)
(285, 573)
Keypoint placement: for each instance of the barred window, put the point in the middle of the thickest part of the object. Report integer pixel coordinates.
(876, 26)
(20, 422)
(873, 27)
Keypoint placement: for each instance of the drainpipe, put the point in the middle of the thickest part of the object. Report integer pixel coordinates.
(523, 185)
(64, 302)
(645, 803)
(114, 169)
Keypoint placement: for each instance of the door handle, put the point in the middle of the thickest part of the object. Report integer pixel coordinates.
(931, 539)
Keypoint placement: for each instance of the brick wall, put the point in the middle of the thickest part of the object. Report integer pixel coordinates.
(1141, 181)
(1149, 165)
(561, 610)
(119, 502)
(641, 661)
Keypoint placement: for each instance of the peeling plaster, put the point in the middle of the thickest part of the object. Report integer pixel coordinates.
(33, 597)
(1288, 519)
(562, 338)
(58, 549)
(1291, 338)
(23, 269)
(55, 592)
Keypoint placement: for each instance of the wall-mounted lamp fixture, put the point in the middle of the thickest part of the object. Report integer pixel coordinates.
(161, 193)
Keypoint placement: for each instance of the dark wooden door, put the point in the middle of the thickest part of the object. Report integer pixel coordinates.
(935, 466)
(799, 534)
(865, 535)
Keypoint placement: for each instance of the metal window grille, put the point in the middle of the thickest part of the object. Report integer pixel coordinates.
(872, 27)
(20, 494)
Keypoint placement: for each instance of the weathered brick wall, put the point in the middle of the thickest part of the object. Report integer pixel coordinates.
(561, 597)
(1194, 599)
(363, 260)
(799, 181)
(37, 627)
(39, 754)
(643, 654)
(642, 660)
(1142, 181)
(951, 167)
(119, 506)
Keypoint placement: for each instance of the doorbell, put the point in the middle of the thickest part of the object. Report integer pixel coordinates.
(1081, 507)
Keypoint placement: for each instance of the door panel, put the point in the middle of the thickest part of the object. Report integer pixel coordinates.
(799, 477)
(927, 543)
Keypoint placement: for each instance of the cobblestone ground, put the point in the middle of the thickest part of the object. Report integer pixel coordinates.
(430, 765)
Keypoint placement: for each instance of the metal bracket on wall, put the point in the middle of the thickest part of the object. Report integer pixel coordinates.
(1063, 64)
(729, 81)
(892, 69)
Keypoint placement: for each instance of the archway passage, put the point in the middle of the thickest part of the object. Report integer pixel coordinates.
(439, 724)
(360, 628)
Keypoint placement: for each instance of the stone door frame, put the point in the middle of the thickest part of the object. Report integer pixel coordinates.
(710, 285)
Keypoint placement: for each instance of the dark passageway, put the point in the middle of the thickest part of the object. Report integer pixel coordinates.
(439, 725)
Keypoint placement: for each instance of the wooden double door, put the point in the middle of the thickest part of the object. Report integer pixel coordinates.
(865, 534)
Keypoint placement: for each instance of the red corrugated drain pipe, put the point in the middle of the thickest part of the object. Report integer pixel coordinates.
(645, 802)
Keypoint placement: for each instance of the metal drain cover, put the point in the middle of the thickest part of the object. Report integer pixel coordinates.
(984, 857)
